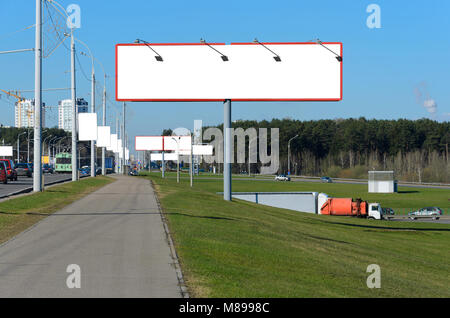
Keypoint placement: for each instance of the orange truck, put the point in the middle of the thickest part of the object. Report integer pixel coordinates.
(351, 207)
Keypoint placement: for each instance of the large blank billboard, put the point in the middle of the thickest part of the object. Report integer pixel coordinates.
(195, 72)
(87, 126)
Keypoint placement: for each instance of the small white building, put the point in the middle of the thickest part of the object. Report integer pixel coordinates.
(382, 182)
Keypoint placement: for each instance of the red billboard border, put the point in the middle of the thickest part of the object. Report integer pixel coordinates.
(239, 99)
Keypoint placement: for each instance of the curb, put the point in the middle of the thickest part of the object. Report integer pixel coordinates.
(30, 189)
(173, 252)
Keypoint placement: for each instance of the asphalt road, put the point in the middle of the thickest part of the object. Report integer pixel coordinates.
(25, 183)
(115, 235)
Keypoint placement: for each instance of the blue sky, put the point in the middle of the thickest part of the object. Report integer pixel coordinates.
(382, 67)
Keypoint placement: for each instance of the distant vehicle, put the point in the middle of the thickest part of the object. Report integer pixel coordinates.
(12, 173)
(282, 177)
(24, 169)
(63, 163)
(326, 179)
(3, 173)
(85, 171)
(133, 172)
(388, 211)
(434, 212)
(46, 168)
(351, 207)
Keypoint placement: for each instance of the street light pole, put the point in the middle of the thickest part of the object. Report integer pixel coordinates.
(74, 111)
(289, 154)
(104, 124)
(37, 175)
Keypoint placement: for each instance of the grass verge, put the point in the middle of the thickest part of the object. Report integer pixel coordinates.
(18, 214)
(240, 249)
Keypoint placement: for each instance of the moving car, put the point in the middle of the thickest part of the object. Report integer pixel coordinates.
(282, 177)
(3, 173)
(388, 211)
(46, 168)
(24, 169)
(326, 179)
(433, 211)
(12, 174)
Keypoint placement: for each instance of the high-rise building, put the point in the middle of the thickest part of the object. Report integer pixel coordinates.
(65, 112)
(24, 114)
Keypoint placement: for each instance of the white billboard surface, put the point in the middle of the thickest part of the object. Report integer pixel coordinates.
(195, 72)
(87, 126)
(113, 144)
(6, 151)
(143, 143)
(170, 156)
(104, 136)
(170, 143)
(206, 150)
(127, 154)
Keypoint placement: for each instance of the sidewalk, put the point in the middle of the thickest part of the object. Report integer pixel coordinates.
(115, 235)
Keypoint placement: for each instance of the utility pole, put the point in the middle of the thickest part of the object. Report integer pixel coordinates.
(74, 110)
(93, 170)
(37, 175)
(104, 124)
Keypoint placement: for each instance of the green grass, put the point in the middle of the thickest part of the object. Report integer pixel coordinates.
(240, 249)
(19, 213)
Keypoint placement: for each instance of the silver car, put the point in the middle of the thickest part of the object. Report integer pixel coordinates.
(434, 212)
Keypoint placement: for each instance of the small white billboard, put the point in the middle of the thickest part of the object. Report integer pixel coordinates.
(113, 144)
(87, 126)
(6, 151)
(205, 150)
(149, 143)
(104, 136)
(169, 156)
(170, 143)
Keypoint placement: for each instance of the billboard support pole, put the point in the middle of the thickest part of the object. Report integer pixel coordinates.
(227, 142)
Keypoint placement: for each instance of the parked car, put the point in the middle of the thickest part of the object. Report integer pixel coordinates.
(433, 211)
(24, 169)
(282, 177)
(12, 174)
(3, 173)
(326, 179)
(46, 168)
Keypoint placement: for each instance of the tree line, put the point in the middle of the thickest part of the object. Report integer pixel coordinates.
(417, 150)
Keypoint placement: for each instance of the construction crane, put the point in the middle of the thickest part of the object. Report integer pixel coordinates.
(20, 99)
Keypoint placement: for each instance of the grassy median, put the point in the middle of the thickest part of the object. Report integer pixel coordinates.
(240, 249)
(20, 213)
